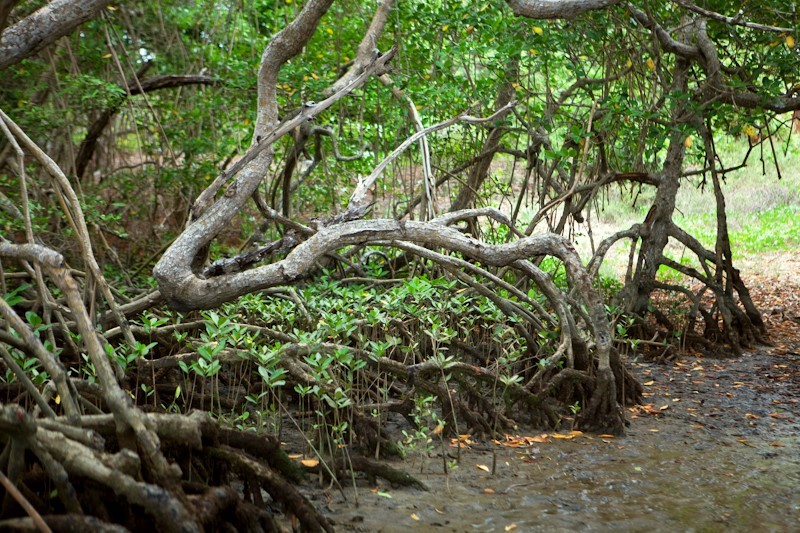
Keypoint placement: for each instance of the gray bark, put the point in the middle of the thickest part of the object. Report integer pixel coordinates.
(556, 9)
(655, 229)
(44, 27)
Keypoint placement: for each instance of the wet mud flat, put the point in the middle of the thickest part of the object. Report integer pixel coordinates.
(716, 447)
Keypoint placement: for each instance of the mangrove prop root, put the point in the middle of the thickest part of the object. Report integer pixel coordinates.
(374, 468)
(277, 487)
(603, 414)
(265, 447)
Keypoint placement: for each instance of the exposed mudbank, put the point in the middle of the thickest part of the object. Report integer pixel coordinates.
(716, 449)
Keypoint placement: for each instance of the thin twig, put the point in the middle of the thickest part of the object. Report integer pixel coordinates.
(24, 503)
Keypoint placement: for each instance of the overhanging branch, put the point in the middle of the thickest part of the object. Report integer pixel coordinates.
(44, 27)
(557, 9)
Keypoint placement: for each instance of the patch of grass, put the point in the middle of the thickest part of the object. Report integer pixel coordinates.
(763, 211)
(752, 189)
(773, 229)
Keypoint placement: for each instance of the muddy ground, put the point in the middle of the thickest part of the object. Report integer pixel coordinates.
(715, 448)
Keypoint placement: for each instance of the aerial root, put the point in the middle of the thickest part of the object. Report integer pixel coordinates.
(278, 488)
(374, 469)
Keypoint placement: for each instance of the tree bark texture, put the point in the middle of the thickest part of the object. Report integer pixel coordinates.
(656, 227)
(557, 9)
(44, 27)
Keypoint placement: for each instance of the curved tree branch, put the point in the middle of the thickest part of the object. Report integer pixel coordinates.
(367, 49)
(44, 27)
(556, 9)
(733, 21)
(706, 56)
(670, 45)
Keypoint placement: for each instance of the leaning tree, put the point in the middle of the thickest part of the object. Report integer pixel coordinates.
(606, 93)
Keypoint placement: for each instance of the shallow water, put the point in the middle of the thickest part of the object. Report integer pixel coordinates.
(714, 460)
(677, 479)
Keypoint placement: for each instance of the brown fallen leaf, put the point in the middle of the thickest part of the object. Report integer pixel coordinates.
(648, 409)
(777, 444)
(751, 416)
(462, 441)
(517, 441)
(487, 490)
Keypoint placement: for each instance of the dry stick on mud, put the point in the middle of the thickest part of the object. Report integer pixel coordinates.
(40, 524)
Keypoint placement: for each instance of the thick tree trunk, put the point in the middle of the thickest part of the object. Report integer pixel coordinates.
(655, 231)
(657, 224)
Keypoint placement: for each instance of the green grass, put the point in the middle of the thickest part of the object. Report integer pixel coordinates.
(775, 229)
(763, 211)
